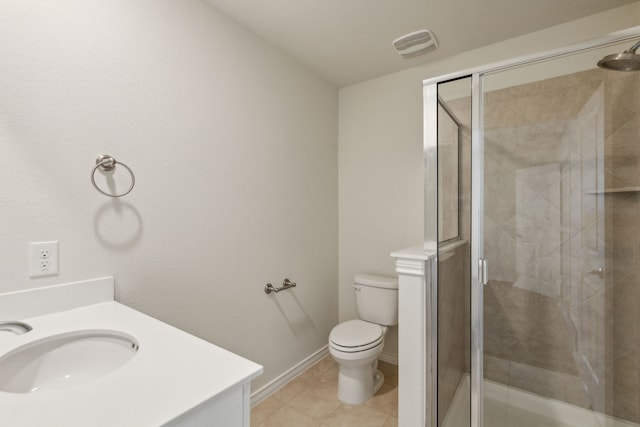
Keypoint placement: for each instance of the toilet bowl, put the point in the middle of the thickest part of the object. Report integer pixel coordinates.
(357, 355)
(356, 344)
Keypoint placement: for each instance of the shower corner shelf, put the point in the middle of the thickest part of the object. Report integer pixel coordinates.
(614, 190)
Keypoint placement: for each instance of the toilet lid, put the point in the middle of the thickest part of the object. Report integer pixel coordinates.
(356, 333)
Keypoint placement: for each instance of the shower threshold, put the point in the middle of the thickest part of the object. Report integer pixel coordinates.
(506, 406)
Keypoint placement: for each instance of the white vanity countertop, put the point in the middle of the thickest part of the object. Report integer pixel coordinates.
(171, 373)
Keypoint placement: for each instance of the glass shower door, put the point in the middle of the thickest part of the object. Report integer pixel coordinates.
(533, 169)
(562, 239)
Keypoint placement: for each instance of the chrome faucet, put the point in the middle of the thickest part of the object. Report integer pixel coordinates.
(17, 328)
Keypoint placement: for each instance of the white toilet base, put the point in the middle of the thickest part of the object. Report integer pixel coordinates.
(378, 380)
(356, 385)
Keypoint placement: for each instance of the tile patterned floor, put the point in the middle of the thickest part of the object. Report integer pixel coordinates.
(309, 400)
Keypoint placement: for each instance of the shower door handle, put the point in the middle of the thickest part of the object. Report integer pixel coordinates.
(483, 273)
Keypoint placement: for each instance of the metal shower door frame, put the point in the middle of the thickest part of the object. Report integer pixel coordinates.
(430, 147)
(431, 245)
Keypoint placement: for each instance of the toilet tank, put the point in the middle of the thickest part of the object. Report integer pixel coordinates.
(377, 298)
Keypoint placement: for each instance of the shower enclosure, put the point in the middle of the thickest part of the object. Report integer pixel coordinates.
(533, 207)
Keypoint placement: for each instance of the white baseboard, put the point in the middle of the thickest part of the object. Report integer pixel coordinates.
(389, 358)
(277, 383)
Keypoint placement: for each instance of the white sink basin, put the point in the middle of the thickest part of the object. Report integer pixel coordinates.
(64, 360)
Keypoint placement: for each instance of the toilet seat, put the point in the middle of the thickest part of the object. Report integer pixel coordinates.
(356, 349)
(356, 336)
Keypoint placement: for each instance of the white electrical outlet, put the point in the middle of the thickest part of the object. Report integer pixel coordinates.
(43, 257)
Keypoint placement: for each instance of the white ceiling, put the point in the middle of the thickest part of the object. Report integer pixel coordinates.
(348, 41)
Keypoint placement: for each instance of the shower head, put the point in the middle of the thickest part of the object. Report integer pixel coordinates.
(629, 60)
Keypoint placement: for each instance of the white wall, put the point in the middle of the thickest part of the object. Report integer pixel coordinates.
(380, 157)
(380, 167)
(234, 146)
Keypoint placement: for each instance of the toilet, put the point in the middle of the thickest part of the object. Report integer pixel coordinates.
(356, 344)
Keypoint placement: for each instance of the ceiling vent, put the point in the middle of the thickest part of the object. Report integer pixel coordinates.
(415, 44)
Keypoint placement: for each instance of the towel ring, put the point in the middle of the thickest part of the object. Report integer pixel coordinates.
(108, 163)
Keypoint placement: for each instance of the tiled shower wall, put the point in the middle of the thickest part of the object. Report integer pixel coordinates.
(562, 234)
(453, 324)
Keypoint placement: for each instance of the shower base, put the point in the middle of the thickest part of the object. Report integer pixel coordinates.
(506, 406)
